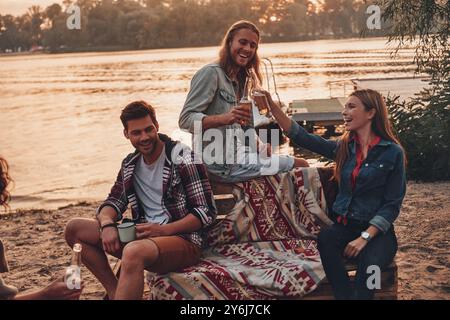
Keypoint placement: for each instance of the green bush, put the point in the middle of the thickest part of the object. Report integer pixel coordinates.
(423, 127)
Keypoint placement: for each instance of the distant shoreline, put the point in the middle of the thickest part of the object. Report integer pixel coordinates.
(127, 48)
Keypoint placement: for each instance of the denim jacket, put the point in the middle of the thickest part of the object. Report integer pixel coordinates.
(211, 93)
(380, 185)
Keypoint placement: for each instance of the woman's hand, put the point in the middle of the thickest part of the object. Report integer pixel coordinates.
(272, 104)
(355, 247)
(283, 120)
(149, 230)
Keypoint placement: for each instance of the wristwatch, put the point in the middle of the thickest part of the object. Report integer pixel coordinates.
(366, 236)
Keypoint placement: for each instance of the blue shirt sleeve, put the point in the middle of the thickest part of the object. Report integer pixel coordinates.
(393, 196)
(202, 91)
(312, 142)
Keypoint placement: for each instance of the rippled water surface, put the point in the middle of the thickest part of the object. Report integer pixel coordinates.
(59, 114)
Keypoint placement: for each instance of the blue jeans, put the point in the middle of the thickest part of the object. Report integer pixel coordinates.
(380, 251)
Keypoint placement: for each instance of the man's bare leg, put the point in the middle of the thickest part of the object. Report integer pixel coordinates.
(300, 162)
(86, 232)
(136, 256)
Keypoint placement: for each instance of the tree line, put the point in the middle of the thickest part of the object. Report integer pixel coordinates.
(145, 24)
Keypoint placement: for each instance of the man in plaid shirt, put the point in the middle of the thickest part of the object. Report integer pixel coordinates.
(171, 202)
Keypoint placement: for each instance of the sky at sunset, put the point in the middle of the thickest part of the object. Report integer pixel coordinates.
(17, 7)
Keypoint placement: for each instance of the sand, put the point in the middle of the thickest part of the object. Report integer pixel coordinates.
(37, 252)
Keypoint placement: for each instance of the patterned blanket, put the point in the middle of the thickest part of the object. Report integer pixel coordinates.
(263, 249)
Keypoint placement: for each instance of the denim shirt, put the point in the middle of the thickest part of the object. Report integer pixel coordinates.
(380, 185)
(211, 93)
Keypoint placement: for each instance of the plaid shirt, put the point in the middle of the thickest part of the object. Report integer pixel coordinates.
(186, 189)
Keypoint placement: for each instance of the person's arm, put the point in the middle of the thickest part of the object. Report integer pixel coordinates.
(282, 119)
(394, 193)
(195, 180)
(57, 290)
(393, 197)
(201, 93)
(354, 248)
(236, 115)
(203, 88)
(115, 204)
(107, 215)
(109, 212)
(187, 224)
(299, 135)
(194, 177)
(109, 235)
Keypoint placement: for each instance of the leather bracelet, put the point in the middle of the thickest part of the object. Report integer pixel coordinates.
(112, 224)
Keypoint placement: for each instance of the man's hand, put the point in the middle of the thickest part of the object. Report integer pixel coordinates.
(149, 230)
(238, 114)
(354, 248)
(110, 241)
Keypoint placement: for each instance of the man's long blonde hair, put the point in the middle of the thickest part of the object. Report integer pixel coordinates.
(225, 60)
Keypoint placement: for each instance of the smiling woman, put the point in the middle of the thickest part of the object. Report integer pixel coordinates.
(370, 171)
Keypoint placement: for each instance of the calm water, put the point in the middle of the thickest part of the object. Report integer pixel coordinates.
(59, 114)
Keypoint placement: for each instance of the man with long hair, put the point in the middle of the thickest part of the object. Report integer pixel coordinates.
(212, 109)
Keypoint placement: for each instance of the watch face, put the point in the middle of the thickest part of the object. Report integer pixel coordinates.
(365, 235)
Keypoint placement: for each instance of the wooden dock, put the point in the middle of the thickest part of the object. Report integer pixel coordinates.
(318, 112)
(321, 112)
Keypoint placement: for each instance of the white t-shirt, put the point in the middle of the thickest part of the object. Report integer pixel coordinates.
(148, 184)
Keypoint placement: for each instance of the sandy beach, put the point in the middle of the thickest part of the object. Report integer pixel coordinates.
(37, 252)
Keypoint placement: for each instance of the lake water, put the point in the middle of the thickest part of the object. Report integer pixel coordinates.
(59, 114)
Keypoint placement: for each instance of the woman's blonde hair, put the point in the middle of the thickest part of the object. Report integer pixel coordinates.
(381, 126)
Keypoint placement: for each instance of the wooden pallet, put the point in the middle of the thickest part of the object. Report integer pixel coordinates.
(388, 291)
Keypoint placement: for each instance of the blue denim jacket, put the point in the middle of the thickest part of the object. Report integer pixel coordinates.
(380, 185)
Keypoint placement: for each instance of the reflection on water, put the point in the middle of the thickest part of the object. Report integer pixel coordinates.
(60, 127)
